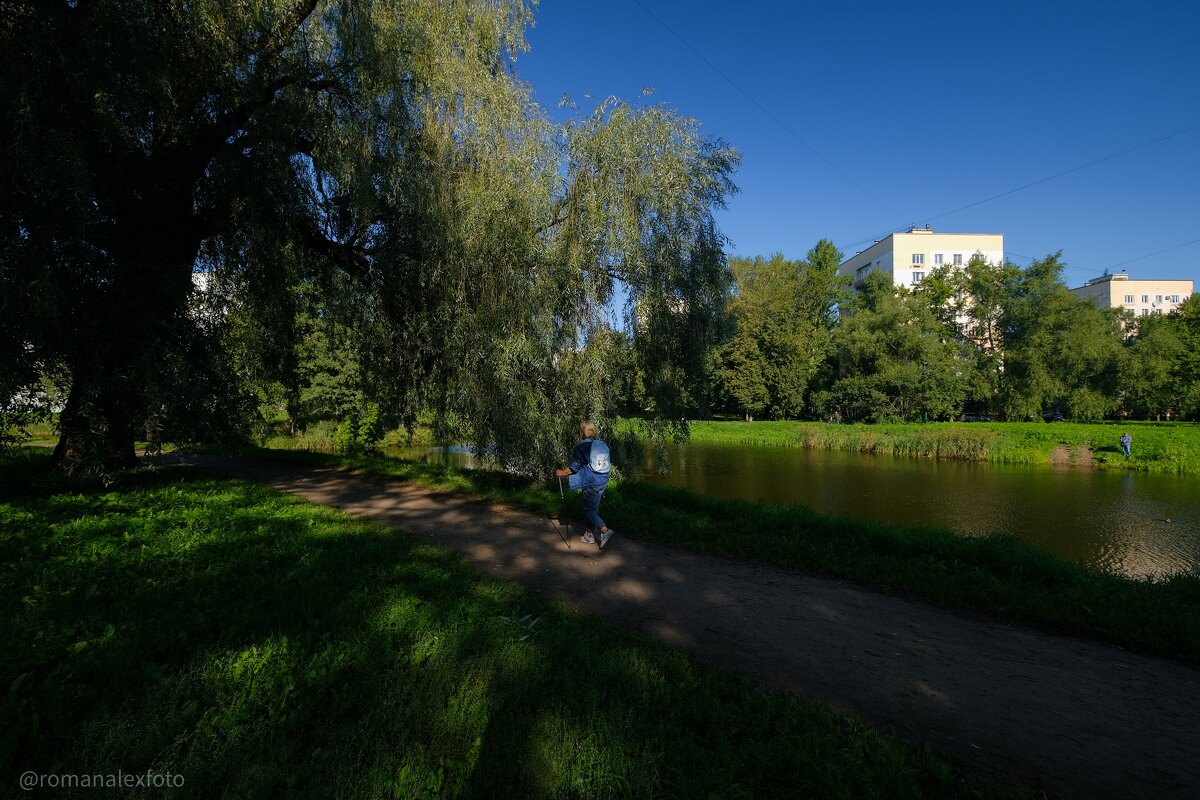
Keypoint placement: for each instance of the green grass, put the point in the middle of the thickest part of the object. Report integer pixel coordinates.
(41, 434)
(997, 576)
(259, 645)
(1157, 447)
(320, 437)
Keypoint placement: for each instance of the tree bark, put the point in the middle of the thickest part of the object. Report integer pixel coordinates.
(118, 359)
(97, 430)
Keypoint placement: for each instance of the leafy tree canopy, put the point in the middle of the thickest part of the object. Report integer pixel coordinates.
(782, 316)
(378, 161)
(894, 359)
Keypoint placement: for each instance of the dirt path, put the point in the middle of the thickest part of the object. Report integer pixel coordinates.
(1082, 719)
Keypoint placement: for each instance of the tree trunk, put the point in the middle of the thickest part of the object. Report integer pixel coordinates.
(105, 407)
(97, 430)
(128, 321)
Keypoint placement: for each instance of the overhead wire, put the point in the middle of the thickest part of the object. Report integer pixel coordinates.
(1148, 255)
(1062, 173)
(1039, 181)
(1110, 267)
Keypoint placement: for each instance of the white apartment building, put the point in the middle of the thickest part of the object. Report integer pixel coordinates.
(908, 257)
(1142, 297)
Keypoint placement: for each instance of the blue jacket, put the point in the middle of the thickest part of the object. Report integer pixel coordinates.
(589, 464)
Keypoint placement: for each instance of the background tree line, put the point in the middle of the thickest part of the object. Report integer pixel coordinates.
(794, 342)
(986, 339)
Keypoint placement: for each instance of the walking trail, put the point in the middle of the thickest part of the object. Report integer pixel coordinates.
(1079, 718)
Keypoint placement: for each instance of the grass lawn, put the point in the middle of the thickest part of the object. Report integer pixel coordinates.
(258, 645)
(41, 434)
(1157, 447)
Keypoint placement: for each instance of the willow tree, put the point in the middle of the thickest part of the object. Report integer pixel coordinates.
(385, 156)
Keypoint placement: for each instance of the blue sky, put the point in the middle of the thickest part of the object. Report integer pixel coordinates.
(916, 110)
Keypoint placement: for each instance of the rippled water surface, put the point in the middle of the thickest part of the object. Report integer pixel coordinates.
(1141, 525)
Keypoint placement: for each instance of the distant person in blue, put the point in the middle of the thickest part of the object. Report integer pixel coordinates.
(1126, 443)
(588, 473)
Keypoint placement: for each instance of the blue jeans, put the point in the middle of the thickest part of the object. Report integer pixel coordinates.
(1125, 449)
(591, 506)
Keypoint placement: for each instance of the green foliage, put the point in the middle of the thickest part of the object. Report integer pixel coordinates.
(1008, 342)
(1146, 368)
(624, 391)
(358, 433)
(17, 416)
(262, 646)
(895, 359)
(1159, 375)
(781, 318)
(1060, 353)
(371, 173)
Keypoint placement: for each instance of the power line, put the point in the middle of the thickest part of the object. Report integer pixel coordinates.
(1155, 253)
(1111, 267)
(1085, 165)
(787, 129)
(766, 111)
(1039, 181)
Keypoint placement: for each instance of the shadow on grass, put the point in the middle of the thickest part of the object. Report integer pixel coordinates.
(259, 646)
(999, 576)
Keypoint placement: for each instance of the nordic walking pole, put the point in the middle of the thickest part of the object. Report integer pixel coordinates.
(561, 535)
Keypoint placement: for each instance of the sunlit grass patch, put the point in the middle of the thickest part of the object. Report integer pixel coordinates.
(1157, 447)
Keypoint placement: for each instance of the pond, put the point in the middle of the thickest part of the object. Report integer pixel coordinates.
(1133, 523)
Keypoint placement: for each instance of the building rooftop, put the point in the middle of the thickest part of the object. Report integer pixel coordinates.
(1106, 278)
(1122, 276)
(927, 230)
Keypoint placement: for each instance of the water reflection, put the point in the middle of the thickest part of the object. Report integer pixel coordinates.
(1107, 520)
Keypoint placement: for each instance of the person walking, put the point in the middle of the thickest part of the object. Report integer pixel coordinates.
(1126, 443)
(588, 473)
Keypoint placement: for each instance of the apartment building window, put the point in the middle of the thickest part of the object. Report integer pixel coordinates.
(918, 258)
(1145, 298)
(918, 276)
(958, 259)
(1128, 298)
(1144, 310)
(937, 259)
(1158, 298)
(1173, 298)
(862, 272)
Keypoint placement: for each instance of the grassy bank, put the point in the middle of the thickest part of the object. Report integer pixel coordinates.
(41, 434)
(1001, 577)
(1157, 447)
(258, 645)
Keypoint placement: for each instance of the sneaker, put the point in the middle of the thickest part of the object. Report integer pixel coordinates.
(587, 538)
(604, 537)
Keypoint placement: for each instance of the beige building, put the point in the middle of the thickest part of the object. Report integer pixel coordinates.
(1142, 297)
(908, 257)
